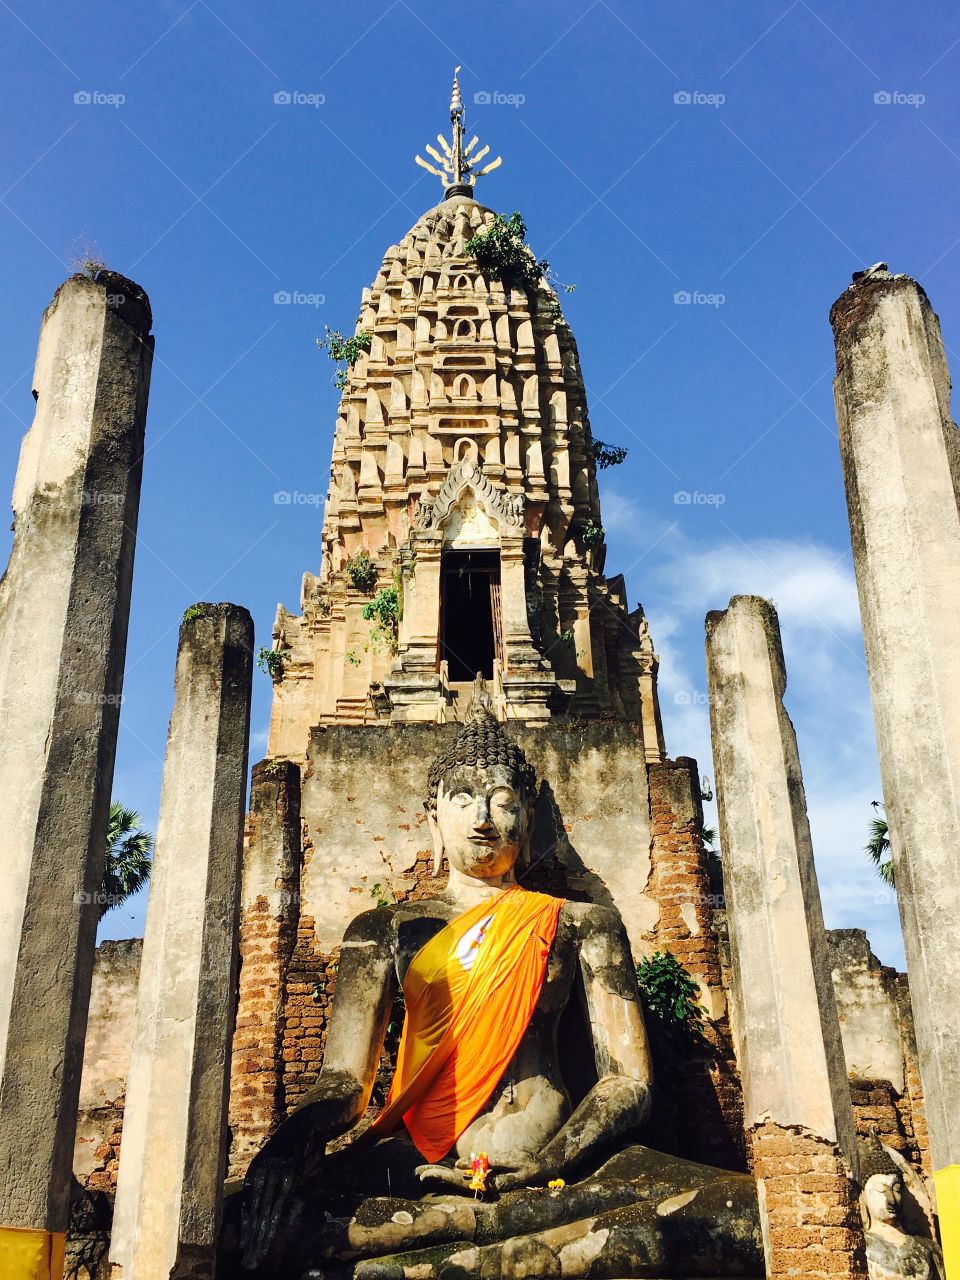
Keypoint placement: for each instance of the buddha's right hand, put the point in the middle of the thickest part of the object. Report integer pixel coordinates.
(293, 1152)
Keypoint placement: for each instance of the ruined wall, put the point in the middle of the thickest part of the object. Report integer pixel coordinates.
(113, 999)
(876, 1026)
(269, 917)
(707, 1101)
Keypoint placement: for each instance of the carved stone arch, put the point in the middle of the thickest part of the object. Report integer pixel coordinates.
(504, 510)
(464, 387)
(464, 329)
(462, 282)
(465, 450)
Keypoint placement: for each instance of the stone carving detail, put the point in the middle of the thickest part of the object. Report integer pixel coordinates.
(423, 515)
(502, 508)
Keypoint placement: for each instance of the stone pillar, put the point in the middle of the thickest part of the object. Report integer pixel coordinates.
(901, 466)
(64, 606)
(173, 1155)
(269, 916)
(797, 1111)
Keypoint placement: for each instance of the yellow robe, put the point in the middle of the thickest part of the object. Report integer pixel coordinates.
(469, 993)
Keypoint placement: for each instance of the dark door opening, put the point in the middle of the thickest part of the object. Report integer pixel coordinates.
(470, 617)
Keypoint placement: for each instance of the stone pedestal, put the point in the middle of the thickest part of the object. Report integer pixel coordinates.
(64, 606)
(797, 1110)
(901, 466)
(173, 1155)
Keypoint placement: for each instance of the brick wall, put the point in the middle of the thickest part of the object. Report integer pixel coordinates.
(705, 1085)
(269, 916)
(912, 1115)
(110, 1022)
(808, 1205)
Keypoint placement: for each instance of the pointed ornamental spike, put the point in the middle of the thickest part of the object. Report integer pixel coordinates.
(456, 171)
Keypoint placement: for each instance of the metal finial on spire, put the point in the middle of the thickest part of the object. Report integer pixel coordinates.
(458, 163)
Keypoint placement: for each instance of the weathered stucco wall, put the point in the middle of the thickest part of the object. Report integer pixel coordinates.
(867, 1005)
(113, 999)
(362, 803)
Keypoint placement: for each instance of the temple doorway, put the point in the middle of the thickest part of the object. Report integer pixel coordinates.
(470, 627)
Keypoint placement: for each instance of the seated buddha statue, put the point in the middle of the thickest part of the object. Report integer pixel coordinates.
(478, 1162)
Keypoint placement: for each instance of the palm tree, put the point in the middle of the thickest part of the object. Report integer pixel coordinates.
(128, 858)
(878, 846)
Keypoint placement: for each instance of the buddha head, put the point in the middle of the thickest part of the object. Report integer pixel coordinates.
(882, 1186)
(480, 798)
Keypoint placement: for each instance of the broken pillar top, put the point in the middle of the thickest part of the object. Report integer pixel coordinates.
(865, 287)
(124, 297)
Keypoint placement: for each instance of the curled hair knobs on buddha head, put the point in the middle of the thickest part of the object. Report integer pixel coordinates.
(481, 743)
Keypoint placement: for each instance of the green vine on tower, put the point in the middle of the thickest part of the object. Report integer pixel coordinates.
(384, 609)
(344, 352)
(502, 254)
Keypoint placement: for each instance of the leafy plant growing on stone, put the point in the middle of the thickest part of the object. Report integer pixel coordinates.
(127, 868)
(362, 572)
(380, 896)
(344, 352)
(592, 534)
(384, 609)
(669, 998)
(607, 455)
(272, 661)
(195, 611)
(502, 254)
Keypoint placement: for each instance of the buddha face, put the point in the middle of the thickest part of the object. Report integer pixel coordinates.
(482, 820)
(881, 1196)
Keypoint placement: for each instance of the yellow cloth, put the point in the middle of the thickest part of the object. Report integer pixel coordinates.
(947, 1183)
(31, 1255)
(469, 993)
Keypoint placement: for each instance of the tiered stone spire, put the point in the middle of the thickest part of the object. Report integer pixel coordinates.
(463, 428)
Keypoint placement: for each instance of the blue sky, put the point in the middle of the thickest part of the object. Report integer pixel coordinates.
(748, 157)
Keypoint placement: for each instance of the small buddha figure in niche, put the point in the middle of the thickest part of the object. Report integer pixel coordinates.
(892, 1254)
(486, 971)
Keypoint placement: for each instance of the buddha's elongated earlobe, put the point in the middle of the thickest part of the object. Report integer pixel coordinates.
(437, 841)
(525, 855)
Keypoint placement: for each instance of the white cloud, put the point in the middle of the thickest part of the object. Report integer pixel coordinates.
(679, 580)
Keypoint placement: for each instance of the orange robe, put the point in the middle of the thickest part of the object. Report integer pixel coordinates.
(469, 993)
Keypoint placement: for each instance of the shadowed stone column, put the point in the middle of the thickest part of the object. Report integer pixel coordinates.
(64, 607)
(269, 916)
(796, 1097)
(173, 1153)
(901, 466)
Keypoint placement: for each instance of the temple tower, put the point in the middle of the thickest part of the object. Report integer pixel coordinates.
(463, 493)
